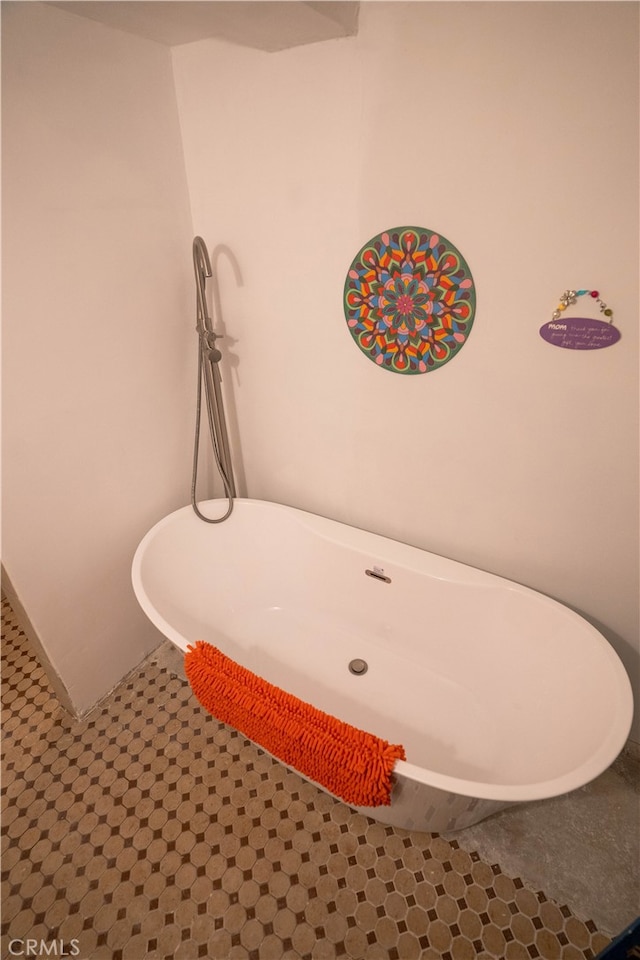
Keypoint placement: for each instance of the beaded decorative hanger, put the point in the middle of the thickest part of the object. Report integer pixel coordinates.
(571, 296)
(580, 333)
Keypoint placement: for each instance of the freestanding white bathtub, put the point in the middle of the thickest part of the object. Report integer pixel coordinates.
(498, 693)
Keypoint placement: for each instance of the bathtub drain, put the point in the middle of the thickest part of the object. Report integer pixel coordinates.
(358, 666)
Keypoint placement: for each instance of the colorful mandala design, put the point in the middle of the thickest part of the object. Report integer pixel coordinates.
(409, 300)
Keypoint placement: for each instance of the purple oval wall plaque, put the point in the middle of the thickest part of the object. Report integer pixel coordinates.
(580, 333)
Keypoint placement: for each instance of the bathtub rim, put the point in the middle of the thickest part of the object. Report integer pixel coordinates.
(622, 706)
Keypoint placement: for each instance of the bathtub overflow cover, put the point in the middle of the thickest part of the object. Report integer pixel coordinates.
(358, 667)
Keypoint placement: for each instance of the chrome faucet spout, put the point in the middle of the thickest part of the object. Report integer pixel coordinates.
(202, 269)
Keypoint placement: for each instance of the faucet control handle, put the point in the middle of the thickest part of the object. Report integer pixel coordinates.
(208, 336)
(212, 352)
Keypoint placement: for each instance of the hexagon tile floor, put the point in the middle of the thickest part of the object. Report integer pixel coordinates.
(149, 830)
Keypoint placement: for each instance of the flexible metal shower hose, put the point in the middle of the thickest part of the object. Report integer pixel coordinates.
(214, 444)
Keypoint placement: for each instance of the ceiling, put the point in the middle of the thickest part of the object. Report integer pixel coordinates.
(262, 24)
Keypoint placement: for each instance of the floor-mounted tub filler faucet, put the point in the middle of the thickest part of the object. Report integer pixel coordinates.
(209, 357)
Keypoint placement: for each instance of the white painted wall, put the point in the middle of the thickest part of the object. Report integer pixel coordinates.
(511, 128)
(98, 379)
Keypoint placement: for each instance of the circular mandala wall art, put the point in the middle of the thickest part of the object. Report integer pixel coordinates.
(409, 300)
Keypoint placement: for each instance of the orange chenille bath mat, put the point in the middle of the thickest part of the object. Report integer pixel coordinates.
(353, 765)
